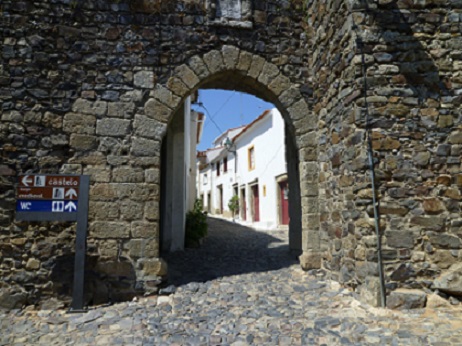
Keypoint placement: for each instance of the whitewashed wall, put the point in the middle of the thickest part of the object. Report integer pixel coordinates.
(267, 138)
(266, 135)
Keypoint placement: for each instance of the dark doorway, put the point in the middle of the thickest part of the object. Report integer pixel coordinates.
(256, 203)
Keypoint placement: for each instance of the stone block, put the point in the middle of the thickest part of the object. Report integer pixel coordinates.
(403, 272)
(97, 108)
(433, 205)
(450, 281)
(152, 175)
(12, 298)
(151, 248)
(402, 299)
(135, 248)
(145, 147)
(256, 66)
(310, 260)
(279, 84)
(33, 264)
(130, 210)
(151, 267)
(268, 73)
(113, 127)
(109, 229)
(83, 142)
(299, 110)
(199, 67)
(99, 174)
(52, 120)
(165, 96)
(116, 268)
(144, 192)
(290, 96)
(434, 301)
(79, 123)
(144, 79)
(151, 210)
(141, 229)
(12, 116)
(103, 210)
(230, 56)
(127, 174)
(455, 137)
(214, 61)
(429, 222)
(157, 110)
(187, 76)
(400, 239)
(121, 109)
(444, 241)
(149, 128)
(443, 258)
(103, 192)
(369, 291)
(108, 248)
(245, 59)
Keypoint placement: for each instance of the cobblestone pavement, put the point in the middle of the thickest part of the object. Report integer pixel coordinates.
(242, 287)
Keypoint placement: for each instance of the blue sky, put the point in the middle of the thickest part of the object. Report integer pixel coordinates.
(227, 109)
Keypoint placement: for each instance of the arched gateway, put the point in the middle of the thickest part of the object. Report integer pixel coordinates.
(89, 87)
(235, 69)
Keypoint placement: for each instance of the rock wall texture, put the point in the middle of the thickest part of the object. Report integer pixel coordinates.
(88, 87)
(404, 56)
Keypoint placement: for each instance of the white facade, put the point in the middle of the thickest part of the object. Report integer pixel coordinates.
(253, 166)
(179, 172)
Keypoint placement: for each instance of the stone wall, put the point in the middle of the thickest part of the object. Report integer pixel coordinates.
(88, 87)
(409, 53)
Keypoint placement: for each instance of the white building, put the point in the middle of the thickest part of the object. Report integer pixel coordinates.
(249, 162)
(178, 183)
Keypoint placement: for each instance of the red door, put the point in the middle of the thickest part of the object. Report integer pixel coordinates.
(284, 191)
(256, 203)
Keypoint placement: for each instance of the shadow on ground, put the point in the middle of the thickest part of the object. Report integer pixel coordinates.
(230, 249)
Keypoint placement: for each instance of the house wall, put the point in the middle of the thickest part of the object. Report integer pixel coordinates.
(267, 138)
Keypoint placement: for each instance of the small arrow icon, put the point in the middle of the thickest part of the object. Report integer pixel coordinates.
(71, 193)
(70, 206)
(26, 181)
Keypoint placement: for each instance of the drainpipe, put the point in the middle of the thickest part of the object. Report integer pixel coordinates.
(370, 157)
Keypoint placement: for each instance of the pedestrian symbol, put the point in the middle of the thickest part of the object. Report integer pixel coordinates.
(39, 180)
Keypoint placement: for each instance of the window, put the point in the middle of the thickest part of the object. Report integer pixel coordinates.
(218, 168)
(205, 179)
(225, 164)
(251, 158)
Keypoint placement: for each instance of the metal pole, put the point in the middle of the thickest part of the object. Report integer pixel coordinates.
(77, 304)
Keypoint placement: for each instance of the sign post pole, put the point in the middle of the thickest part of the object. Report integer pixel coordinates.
(80, 247)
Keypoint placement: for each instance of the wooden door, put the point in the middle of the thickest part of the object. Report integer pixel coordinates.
(256, 203)
(284, 205)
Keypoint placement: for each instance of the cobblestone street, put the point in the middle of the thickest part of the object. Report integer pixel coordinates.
(242, 287)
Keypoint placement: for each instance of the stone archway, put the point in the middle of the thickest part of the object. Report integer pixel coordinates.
(232, 68)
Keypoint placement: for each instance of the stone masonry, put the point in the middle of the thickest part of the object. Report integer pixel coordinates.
(89, 87)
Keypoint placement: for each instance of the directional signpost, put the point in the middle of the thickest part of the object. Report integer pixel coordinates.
(43, 197)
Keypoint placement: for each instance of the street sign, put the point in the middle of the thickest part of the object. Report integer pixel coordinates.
(41, 197)
(45, 197)
(48, 206)
(47, 193)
